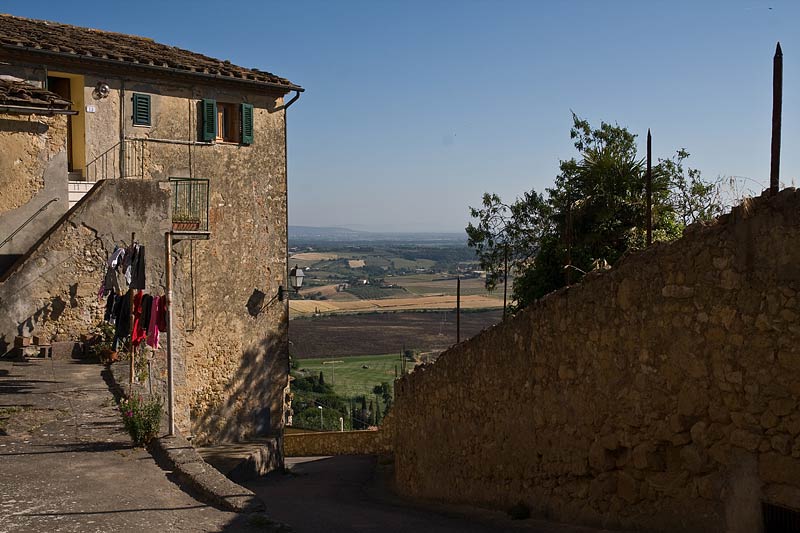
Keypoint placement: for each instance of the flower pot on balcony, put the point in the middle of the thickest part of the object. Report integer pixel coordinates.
(186, 225)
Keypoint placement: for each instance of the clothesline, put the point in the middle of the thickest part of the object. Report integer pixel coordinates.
(134, 314)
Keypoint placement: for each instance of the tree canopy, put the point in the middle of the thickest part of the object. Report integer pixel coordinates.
(593, 214)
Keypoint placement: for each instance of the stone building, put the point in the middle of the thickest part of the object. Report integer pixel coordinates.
(111, 135)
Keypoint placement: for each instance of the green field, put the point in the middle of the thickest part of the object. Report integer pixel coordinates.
(348, 375)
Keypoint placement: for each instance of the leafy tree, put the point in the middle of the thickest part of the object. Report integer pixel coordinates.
(593, 214)
(321, 378)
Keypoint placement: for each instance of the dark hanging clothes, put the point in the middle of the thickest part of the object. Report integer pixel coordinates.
(138, 268)
(161, 319)
(109, 314)
(123, 322)
(147, 309)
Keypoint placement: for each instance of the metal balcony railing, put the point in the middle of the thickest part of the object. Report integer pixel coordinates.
(123, 160)
(189, 205)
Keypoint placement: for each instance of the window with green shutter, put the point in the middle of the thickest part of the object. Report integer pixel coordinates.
(141, 109)
(209, 109)
(247, 124)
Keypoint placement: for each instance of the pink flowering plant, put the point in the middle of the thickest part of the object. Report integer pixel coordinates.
(142, 418)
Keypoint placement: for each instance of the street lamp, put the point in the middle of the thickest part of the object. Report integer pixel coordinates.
(296, 276)
(320, 417)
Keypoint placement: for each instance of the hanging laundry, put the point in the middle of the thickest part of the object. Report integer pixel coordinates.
(138, 269)
(137, 334)
(147, 307)
(130, 257)
(108, 316)
(152, 327)
(162, 313)
(123, 321)
(116, 256)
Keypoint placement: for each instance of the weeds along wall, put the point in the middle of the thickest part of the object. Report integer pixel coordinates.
(662, 394)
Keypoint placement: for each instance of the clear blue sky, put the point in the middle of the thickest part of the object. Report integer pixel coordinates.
(413, 109)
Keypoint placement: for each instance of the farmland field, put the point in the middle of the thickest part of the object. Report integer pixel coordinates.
(349, 335)
(348, 376)
(298, 308)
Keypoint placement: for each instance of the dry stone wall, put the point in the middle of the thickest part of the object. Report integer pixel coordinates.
(366, 442)
(660, 395)
(377, 442)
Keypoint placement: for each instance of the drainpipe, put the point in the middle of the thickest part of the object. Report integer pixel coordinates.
(170, 366)
(285, 106)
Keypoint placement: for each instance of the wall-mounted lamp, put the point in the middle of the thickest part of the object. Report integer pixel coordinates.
(296, 276)
(101, 90)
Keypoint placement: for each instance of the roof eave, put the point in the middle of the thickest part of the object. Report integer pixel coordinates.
(69, 58)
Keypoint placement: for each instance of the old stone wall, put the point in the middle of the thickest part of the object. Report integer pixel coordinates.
(336, 443)
(366, 442)
(33, 171)
(53, 293)
(660, 395)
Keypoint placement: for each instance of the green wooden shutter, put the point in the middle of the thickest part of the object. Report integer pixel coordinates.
(141, 109)
(209, 119)
(247, 124)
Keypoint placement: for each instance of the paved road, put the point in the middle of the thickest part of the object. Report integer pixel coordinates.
(343, 494)
(67, 464)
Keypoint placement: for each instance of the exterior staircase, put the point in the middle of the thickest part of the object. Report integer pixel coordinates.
(77, 190)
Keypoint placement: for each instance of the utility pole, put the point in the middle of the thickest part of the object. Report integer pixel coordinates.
(458, 309)
(505, 278)
(170, 366)
(649, 190)
(777, 104)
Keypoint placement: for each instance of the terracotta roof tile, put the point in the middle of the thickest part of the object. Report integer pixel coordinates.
(21, 93)
(38, 35)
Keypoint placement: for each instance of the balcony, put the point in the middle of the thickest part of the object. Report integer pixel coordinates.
(190, 208)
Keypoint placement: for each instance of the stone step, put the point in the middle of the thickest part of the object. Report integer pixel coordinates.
(77, 190)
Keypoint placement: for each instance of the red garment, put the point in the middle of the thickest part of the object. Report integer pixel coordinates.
(152, 327)
(139, 332)
(162, 313)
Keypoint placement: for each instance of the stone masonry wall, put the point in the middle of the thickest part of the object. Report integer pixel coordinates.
(366, 442)
(33, 171)
(660, 395)
(53, 293)
(27, 144)
(336, 443)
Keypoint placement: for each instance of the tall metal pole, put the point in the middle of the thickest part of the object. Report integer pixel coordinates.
(649, 190)
(458, 309)
(130, 310)
(777, 104)
(170, 368)
(505, 279)
(569, 243)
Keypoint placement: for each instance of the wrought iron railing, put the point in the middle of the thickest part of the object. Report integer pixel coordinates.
(123, 160)
(189, 205)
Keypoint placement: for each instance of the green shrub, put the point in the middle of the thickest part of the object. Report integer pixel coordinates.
(142, 418)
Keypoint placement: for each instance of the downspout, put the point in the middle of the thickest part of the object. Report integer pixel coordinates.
(285, 106)
(122, 169)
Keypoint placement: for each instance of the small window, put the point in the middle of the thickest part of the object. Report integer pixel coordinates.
(228, 123)
(224, 122)
(141, 109)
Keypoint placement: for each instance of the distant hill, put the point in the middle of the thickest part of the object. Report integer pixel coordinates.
(339, 234)
(323, 232)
